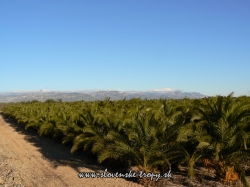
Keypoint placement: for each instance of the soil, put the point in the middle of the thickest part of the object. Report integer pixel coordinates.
(27, 159)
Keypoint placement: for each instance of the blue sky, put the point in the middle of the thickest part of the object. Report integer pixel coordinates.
(200, 46)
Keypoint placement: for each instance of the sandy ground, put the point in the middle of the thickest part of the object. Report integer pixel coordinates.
(26, 159)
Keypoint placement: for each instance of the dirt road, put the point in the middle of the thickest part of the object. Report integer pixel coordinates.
(26, 159)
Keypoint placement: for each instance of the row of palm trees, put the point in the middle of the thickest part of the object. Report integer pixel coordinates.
(153, 135)
(221, 130)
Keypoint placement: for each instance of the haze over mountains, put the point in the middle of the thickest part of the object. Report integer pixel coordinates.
(95, 95)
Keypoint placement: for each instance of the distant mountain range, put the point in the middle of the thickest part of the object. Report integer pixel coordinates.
(95, 95)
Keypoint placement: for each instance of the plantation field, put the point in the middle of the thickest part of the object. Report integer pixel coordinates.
(150, 135)
(28, 160)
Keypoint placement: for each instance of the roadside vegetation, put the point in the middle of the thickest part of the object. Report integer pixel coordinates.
(153, 135)
(1, 105)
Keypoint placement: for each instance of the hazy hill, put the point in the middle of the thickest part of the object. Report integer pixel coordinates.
(95, 95)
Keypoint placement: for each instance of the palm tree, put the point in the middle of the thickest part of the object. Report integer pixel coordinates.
(144, 142)
(221, 133)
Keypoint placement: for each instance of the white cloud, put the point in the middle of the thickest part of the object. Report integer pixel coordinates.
(165, 90)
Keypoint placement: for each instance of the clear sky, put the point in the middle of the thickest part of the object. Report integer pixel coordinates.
(193, 46)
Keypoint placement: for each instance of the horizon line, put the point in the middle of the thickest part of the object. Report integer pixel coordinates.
(93, 90)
